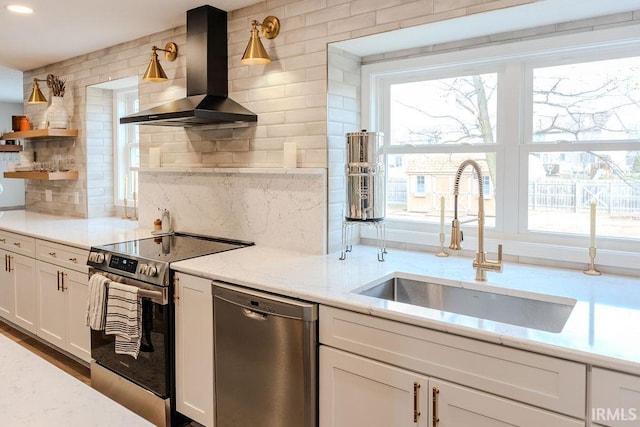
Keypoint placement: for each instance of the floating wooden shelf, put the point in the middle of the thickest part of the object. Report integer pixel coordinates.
(45, 176)
(41, 133)
(10, 148)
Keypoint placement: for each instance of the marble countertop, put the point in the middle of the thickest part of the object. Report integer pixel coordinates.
(600, 330)
(78, 232)
(34, 392)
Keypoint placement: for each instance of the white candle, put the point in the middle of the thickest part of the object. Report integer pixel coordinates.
(126, 185)
(592, 241)
(289, 158)
(442, 214)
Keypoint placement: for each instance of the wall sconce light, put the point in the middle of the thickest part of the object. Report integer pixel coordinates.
(154, 72)
(255, 53)
(37, 97)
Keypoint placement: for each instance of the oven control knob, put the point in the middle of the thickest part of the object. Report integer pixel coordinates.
(153, 270)
(148, 270)
(96, 257)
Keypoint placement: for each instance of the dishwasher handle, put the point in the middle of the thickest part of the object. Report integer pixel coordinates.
(264, 304)
(253, 314)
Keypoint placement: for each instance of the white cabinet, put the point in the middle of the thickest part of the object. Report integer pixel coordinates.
(355, 391)
(62, 310)
(62, 289)
(194, 348)
(18, 303)
(615, 398)
(457, 406)
(515, 387)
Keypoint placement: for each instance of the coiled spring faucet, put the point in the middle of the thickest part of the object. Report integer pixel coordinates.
(480, 263)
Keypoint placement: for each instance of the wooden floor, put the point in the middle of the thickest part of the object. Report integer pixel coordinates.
(54, 357)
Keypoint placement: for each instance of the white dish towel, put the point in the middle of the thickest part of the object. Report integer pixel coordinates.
(124, 318)
(96, 302)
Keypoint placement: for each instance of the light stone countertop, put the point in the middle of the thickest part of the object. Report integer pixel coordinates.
(78, 232)
(601, 330)
(34, 392)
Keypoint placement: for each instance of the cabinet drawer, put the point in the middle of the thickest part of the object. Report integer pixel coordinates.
(615, 398)
(62, 255)
(17, 243)
(544, 381)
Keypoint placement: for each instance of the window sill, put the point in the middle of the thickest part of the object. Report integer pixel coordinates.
(519, 251)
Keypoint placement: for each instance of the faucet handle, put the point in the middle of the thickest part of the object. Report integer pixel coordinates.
(500, 253)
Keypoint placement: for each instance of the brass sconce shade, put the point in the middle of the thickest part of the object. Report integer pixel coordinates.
(154, 72)
(255, 53)
(37, 97)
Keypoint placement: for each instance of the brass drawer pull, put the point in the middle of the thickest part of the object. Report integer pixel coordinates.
(3, 240)
(16, 244)
(416, 412)
(53, 254)
(436, 419)
(73, 259)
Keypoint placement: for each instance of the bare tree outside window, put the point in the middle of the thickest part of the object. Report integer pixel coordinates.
(593, 107)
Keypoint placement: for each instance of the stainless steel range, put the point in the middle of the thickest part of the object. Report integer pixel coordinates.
(146, 384)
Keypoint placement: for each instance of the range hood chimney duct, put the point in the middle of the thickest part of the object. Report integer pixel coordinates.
(207, 101)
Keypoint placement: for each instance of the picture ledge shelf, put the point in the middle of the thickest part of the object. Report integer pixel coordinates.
(246, 171)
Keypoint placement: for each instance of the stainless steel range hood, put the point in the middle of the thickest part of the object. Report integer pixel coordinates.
(207, 79)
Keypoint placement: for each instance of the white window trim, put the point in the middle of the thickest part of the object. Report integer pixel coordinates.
(617, 253)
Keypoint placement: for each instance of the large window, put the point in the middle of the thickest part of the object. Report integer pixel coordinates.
(553, 129)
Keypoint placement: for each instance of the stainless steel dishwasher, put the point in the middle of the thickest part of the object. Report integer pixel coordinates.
(265, 359)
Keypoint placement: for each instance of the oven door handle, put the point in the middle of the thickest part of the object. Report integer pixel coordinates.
(145, 290)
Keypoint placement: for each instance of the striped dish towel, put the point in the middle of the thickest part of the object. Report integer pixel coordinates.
(124, 318)
(96, 302)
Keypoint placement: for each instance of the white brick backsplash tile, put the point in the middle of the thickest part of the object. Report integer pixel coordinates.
(286, 130)
(266, 144)
(308, 142)
(352, 23)
(328, 14)
(306, 88)
(405, 11)
(305, 61)
(306, 115)
(316, 100)
(318, 157)
(304, 7)
(250, 157)
(266, 93)
(217, 158)
(233, 145)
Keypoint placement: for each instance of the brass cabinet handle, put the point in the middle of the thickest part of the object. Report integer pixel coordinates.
(435, 393)
(58, 275)
(62, 273)
(6, 262)
(416, 412)
(3, 240)
(16, 244)
(176, 281)
(74, 259)
(9, 263)
(53, 254)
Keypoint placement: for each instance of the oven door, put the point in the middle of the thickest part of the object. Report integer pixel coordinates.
(151, 370)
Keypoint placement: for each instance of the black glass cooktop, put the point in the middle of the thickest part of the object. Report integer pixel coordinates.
(174, 247)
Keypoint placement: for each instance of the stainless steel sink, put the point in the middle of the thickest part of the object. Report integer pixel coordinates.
(531, 310)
